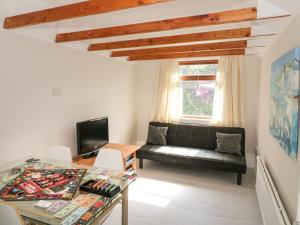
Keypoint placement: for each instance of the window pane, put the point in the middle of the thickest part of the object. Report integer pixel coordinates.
(207, 69)
(197, 97)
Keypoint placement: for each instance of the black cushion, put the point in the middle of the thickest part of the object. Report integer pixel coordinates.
(193, 157)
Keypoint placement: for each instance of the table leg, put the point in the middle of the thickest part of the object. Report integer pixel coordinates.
(125, 207)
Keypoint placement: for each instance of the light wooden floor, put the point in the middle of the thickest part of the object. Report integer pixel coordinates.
(168, 195)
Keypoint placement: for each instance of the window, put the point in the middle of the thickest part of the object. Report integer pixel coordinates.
(197, 87)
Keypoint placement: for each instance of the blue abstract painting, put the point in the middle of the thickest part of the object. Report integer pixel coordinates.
(284, 107)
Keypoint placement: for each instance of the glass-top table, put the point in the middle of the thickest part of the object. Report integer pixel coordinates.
(28, 209)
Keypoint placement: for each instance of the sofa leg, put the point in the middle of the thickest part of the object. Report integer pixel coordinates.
(141, 163)
(239, 178)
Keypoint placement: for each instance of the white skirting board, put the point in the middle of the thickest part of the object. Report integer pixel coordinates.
(271, 207)
(251, 160)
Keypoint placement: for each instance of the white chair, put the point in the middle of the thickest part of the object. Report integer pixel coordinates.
(109, 159)
(9, 215)
(60, 153)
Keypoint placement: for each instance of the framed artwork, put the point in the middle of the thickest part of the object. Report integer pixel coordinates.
(284, 105)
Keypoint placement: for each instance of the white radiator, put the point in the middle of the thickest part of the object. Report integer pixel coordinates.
(271, 207)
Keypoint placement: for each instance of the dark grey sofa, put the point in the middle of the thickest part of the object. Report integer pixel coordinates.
(194, 145)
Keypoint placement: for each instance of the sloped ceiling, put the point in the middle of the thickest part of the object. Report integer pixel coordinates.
(172, 9)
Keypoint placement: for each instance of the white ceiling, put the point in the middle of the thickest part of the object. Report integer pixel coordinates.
(172, 9)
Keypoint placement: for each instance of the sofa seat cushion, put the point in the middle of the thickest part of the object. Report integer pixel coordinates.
(192, 153)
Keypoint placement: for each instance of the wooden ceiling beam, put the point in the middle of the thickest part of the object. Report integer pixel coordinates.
(232, 16)
(198, 62)
(183, 48)
(183, 38)
(197, 77)
(188, 54)
(80, 9)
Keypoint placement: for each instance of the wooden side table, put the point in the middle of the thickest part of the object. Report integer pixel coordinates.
(128, 154)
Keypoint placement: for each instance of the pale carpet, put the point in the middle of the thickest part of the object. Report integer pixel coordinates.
(176, 195)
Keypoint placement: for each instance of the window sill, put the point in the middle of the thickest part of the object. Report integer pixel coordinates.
(195, 120)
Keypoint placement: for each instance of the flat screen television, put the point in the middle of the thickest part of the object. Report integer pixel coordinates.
(91, 136)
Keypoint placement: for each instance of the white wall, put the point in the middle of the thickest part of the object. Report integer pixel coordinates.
(250, 81)
(146, 77)
(32, 119)
(285, 171)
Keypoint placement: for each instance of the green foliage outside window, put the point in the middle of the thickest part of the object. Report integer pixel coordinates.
(197, 96)
(198, 69)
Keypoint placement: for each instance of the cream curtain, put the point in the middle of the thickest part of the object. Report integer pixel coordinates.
(165, 106)
(228, 110)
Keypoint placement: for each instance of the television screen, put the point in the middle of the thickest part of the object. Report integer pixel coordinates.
(92, 135)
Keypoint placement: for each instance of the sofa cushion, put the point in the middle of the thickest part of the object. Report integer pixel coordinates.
(229, 143)
(192, 153)
(213, 130)
(197, 136)
(157, 135)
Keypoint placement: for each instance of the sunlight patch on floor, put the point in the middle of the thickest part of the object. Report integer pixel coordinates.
(153, 192)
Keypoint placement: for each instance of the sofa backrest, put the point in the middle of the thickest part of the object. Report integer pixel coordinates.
(198, 136)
